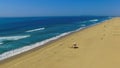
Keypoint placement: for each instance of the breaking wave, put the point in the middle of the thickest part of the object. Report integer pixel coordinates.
(8, 38)
(13, 37)
(94, 20)
(35, 30)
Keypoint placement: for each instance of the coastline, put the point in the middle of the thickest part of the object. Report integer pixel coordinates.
(96, 50)
(18, 51)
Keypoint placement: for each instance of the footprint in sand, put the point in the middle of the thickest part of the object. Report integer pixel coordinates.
(102, 38)
(104, 26)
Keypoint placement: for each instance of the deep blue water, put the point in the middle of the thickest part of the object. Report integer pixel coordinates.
(19, 32)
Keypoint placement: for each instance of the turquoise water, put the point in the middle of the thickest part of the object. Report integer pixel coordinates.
(21, 32)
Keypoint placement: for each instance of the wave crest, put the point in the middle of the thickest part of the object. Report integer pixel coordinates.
(94, 20)
(1, 43)
(8, 38)
(35, 30)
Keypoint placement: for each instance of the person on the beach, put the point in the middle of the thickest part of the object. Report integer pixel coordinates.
(75, 45)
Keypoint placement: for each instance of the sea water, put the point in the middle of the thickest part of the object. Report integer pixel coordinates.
(20, 34)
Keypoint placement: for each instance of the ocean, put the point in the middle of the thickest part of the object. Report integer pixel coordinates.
(20, 34)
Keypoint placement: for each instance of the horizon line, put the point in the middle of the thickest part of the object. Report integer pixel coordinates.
(56, 16)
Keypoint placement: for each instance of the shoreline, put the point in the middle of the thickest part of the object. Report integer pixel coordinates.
(93, 52)
(41, 44)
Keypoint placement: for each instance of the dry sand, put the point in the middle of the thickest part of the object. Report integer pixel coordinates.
(99, 47)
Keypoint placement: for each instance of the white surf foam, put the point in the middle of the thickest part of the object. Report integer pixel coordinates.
(27, 48)
(13, 37)
(1, 43)
(94, 20)
(35, 30)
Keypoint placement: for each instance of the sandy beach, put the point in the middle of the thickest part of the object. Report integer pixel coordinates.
(99, 47)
